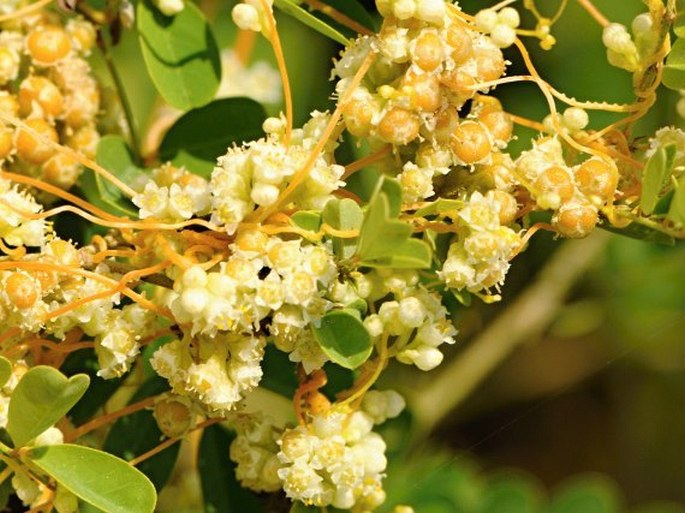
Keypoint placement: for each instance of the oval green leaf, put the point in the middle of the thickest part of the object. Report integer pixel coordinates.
(676, 211)
(656, 170)
(679, 22)
(5, 370)
(116, 157)
(201, 135)
(180, 53)
(343, 337)
(105, 481)
(674, 71)
(42, 397)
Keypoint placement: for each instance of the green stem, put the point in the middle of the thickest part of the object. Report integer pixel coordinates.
(123, 97)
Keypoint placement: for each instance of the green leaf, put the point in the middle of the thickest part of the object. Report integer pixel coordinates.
(5, 370)
(440, 206)
(639, 231)
(589, 493)
(291, 8)
(307, 219)
(100, 479)
(42, 397)
(181, 54)
(674, 71)
(135, 434)
(385, 242)
(201, 135)
(344, 338)
(115, 156)
(221, 492)
(676, 211)
(657, 169)
(393, 192)
(343, 214)
(379, 234)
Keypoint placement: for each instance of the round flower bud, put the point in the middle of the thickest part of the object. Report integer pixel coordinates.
(470, 142)
(22, 290)
(575, 220)
(194, 300)
(509, 16)
(431, 11)
(411, 312)
(264, 194)
(246, 17)
(170, 7)
(575, 118)
(503, 35)
(48, 44)
(399, 126)
(173, 415)
(404, 9)
(616, 37)
(427, 358)
(34, 150)
(642, 23)
(486, 20)
(194, 277)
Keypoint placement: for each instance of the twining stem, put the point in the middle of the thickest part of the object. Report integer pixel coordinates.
(108, 418)
(339, 17)
(25, 10)
(121, 92)
(275, 41)
(594, 12)
(520, 323)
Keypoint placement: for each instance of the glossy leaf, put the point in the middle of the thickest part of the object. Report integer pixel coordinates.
(291, 8)
(135, 434)
(674, 71)
(657, 169)
(589, 494)
(181, 54)
(440, 206)
(42, 397)
(385, 242)
(639, 231)
(307, 219)
(676, 212)
(343, 337)
(201, 135)
(5, 370)
(115, 156)
(343, 214)
(105, 481)
(221, 492)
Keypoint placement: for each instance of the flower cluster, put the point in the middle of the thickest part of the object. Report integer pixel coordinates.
(256, 174)
(46, 82)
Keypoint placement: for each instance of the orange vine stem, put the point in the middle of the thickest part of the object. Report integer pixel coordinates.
(83, 429)
(341, 18)
(275, 41)
(302, 173)
(372, 158)
(594, 12)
